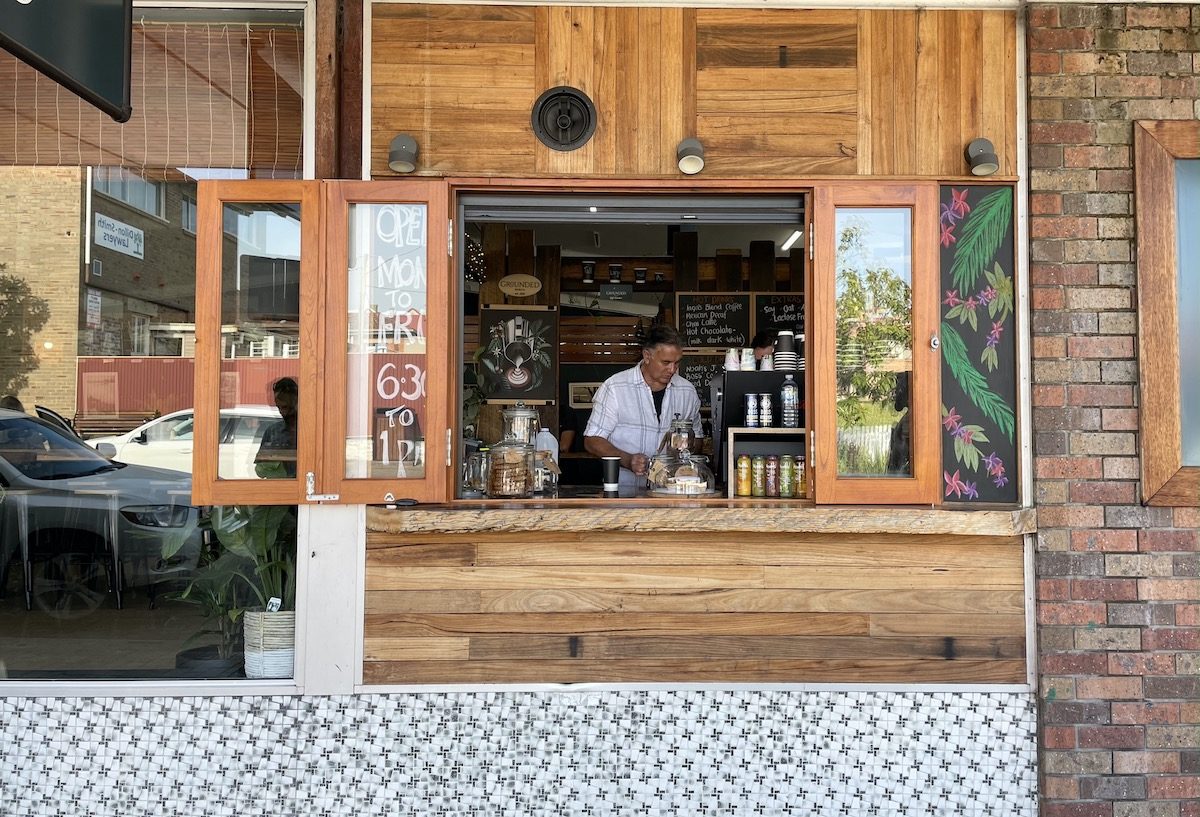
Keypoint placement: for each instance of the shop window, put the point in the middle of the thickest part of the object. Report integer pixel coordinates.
(128, 187)
(1167, 178)
(187, 213)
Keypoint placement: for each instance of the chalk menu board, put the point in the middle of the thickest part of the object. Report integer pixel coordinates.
(781, 311)
(699, 371)
(713, 320)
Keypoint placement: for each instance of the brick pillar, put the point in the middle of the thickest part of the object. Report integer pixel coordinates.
(1118, 597)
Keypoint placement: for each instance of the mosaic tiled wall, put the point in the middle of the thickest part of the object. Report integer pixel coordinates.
(512, 753)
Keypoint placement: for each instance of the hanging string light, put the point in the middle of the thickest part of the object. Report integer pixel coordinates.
(473, 267)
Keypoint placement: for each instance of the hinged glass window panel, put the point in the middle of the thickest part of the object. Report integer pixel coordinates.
(256, 351)
(388, 340)
(875, 344)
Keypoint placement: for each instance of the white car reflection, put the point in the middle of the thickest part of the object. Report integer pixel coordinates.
(87, 525)
(166, 442)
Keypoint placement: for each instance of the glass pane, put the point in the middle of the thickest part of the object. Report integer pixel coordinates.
(874, 341)
(260, 341)
(1187, 179)
(385, 345)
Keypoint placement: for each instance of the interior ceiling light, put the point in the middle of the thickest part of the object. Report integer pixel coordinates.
(792, 239)
(690, 156)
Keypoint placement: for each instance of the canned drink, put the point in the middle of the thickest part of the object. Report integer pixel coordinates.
(758, 476)
(751, 410)
(743, 485)
(772, 475)
(766, 414)
(787, 476)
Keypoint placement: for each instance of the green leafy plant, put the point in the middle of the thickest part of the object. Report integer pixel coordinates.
(980, 236)
(973, 383)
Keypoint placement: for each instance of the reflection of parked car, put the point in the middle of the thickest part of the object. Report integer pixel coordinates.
(166, 442)
(84, 519)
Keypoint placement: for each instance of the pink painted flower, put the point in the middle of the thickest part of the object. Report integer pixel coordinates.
(971, 303)
(954, 484)
(988, 295)
(950, 421)
(993, 464)
(952, 298)
(958, 202)
(948, 235)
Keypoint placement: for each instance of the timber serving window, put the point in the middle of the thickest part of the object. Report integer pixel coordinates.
(382, 331)
(1168, 283)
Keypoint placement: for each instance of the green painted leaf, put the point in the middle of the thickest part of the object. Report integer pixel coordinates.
(973, 383)
(980, 237)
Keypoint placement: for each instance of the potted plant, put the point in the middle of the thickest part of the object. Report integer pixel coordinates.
(264, 538)
(217, 585)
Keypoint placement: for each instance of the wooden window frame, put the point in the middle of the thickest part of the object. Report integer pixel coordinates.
(1157, 145)
(923, 487)
(211, 197)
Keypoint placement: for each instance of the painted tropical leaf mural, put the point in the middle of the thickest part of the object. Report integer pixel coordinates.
(979, 380)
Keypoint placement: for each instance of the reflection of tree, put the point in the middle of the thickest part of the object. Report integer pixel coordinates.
(874, 306)
(21, 315)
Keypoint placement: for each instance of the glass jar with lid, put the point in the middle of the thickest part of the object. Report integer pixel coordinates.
(510, 471)
(521, 423)
(681, 437)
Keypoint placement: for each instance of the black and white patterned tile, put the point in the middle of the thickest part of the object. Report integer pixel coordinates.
(593, 754)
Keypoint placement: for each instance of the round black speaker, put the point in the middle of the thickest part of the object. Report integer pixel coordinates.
(564, 118)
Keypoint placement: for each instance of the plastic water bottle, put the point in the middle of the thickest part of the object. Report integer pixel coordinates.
(789, 403)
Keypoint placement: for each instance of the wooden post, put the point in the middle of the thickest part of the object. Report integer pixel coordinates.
(729, 270)
(687, 262)
(762, 266)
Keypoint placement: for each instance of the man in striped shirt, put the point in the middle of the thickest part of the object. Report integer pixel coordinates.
(633, 409)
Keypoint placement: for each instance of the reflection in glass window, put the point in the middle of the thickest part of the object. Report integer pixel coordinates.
(187, 213)
(874, 341)
(1187, 186)
(126, 186)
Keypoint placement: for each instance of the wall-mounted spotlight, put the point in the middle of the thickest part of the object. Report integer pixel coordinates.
(690, 155)
(981, 156)
(402, 155)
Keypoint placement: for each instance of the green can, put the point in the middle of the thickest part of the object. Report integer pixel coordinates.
(787, 476)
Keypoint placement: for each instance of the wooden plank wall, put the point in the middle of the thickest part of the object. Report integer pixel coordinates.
(772, 94)
(733, 607)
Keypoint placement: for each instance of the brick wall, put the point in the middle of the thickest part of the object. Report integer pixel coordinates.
(1118, 593)
(41, 211)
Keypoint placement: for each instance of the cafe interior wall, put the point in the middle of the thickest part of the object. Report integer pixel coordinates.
(672, 749)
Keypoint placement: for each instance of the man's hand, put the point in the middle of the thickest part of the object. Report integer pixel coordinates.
(639, 464)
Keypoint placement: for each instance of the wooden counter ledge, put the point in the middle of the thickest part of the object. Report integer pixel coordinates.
(641, 515)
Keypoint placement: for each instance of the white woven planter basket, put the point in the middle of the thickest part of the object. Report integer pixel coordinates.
(270, 643)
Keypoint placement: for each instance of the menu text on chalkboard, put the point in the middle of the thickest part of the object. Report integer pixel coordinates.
(714, 320)
(781, 311)
(699, 370)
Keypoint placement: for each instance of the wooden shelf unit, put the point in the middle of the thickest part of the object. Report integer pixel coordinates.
(765, 441)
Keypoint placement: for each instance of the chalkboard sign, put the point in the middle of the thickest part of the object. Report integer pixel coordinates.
(699, 370)
(781, 311)
(713, 320)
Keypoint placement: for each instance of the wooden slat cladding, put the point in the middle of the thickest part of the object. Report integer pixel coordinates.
(772, 94)
(731, 607)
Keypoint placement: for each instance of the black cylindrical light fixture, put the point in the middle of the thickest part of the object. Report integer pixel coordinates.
(402, 155)
(690, 156)
(981, 156)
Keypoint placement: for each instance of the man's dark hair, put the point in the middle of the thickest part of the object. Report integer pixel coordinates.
(285, 385)
(764, 337)
(662, 335)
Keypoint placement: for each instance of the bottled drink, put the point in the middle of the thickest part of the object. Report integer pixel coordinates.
(743, 486)
(758, 476)
(772, 486)
(787, 476)
(789, 403)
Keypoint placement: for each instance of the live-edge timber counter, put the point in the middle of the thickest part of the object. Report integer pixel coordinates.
(735, 594)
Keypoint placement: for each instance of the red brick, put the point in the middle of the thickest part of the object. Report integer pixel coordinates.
(1044, 63)
(1111, 737)
(1114, 179)
(1145, 762)
(1145, 712)
(1101, 346)
(1104, 589)
(1048, 298)
(1173, 788)
(1097, 395)
(1119, 419)
(1140, 663)
(1189, 712)
(1071, 516)
(1072, 613)
(1043, 16)
(1103, 493)
(1046, 395)
(1156, 16)
(1187, 615)
(1058, 737)
(1053, 590)
(1096, 156)
(1060, 39)
(1045, 204)
(1171, 638)
(1169, 589)
(1069, 468)
(1191, 809)
(1075, 663)
(1077, 810)
(1049, 347)
(1063, 274)
(1127, 688)
(1062, 227)
(1167, 540)
(1106, 541)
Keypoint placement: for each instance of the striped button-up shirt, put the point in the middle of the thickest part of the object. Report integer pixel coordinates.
(623, 413)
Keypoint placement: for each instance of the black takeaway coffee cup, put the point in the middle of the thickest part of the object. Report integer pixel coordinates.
(612, 474)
